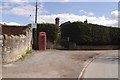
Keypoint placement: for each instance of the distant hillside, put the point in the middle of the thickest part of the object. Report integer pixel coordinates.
(89, 34)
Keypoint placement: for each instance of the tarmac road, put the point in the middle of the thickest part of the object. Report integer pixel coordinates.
(52, 64)
(49, 64)
(103, 66)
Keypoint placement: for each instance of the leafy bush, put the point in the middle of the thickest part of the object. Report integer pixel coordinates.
(50, 29)
(90, 34)
(51, 32)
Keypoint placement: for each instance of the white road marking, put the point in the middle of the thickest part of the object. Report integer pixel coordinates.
(83, 70)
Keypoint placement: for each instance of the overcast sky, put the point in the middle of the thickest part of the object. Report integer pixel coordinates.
(22, 12)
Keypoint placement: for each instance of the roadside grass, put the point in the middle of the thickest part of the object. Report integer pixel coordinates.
(23, 57)
(28, 52)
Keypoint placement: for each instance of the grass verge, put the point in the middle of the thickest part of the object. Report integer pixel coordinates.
(28, 52)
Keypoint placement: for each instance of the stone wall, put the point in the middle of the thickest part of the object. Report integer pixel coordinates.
(15, 43)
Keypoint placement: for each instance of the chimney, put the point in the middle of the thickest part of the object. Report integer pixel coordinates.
(57, 21)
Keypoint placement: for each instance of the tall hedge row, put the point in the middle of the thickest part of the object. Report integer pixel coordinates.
(89, 34)
(51, 33)
(50, 29)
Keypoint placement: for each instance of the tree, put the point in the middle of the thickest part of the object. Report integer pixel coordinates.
(86, 21)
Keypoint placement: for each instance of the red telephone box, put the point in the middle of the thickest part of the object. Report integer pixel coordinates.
(42, 41)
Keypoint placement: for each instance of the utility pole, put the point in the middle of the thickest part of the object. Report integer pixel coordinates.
(36, 12)
(35, 41)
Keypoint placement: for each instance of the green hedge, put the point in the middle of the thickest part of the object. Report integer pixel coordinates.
(50, 29)
(89, 34)
(51, 32)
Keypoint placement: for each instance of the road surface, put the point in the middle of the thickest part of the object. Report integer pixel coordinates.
(56, 64)
(103, 66)
(49, 64)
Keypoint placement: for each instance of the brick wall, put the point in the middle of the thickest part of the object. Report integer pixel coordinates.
(13, 30)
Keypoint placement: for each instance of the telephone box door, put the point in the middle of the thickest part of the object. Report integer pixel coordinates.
(42, 41)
